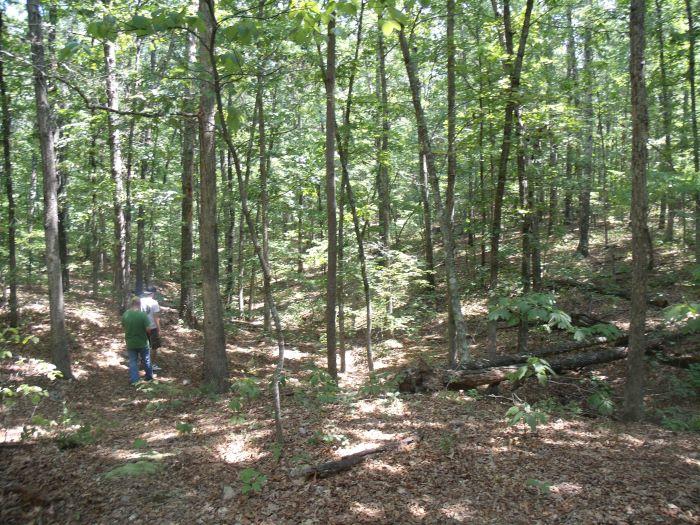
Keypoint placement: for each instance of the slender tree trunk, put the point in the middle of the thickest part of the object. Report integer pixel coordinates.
(451, 172)
(694, 124)
(459, 344)
(331, 275)
(229, 236)
(59, 337)
(585, 193)
(514, 70)
(121, 283)
(571, 154)
(264, 263)
(427, 222)
(215, 371)
(300, 230)
(31, 209)
(189, 137)
(634, 387)
(13, 318)
(341, 282)
(264, 197)
(383, 191)
(141, 216)
(525, 192)
(95, 244)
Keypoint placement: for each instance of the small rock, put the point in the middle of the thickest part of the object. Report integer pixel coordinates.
(303, 431)
(228, 492)
(133, 517)
(185, 382)
(124, 499)
(222, 511)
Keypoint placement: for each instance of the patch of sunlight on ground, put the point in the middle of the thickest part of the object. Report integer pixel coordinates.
(457, 511)
(566, 489)
(369, 510)
(92, 316)
(159, 435)
(394, 407)
(689, 460)
(128, 455)
(383, 466)
(237, 450)
(417, 510)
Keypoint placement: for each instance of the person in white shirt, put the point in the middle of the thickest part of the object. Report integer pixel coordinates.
(151, 308)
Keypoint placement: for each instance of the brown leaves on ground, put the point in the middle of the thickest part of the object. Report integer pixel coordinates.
(469, 466)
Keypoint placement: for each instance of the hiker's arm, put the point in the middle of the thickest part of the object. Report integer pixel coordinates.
(156, 318)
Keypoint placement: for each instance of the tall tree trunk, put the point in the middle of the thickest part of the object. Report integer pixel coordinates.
(341, 282)
(121, 282)
(427, 221)
(264, 263)
(141, 215)
(331, 275)
(383, 191)
(694, 124)
(451, 169)
(95, 243)
(215, 371)
(59, 337)
(189, 137)
(634, 387)
(585, 193)
(264, 196)
(13, 318)
(525, 192)
(31, 209)
(229, 235)
(514, 70)
(459, 344)
(571, 154)
(57, 125)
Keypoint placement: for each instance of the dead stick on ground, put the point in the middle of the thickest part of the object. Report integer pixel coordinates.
(333, 467)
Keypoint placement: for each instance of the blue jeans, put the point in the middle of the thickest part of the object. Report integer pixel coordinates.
(145, 355)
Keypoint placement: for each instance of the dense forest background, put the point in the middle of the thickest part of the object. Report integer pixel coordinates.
(401, 199)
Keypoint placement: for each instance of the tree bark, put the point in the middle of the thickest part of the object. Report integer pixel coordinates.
(121, 269)
(189, 137)
(13, 318)
(634, 387)
(584, 217)
(331, 275)
(215, 371)
(383, 190)
(59, 337)
(459, 344)
(514, 70)
(427, 222)
(694, 123)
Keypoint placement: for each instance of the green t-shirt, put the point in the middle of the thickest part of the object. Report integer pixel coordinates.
(135, 323)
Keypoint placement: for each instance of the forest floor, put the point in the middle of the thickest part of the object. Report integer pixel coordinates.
(188, 448)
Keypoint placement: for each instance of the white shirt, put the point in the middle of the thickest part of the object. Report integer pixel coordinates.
(150, 306)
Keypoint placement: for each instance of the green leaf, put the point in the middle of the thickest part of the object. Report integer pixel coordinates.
(388, 26)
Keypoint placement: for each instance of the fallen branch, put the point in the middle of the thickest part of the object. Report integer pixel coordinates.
(334, 467)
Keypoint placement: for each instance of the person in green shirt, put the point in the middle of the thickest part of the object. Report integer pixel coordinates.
(136, 327)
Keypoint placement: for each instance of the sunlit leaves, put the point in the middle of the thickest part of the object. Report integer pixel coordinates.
(105, 29)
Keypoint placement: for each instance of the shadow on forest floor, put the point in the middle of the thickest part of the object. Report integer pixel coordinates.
(469, 466)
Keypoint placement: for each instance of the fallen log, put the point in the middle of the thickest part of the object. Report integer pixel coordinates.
(346, 463)
(506, 360)
(424, 378)
(654, 300)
